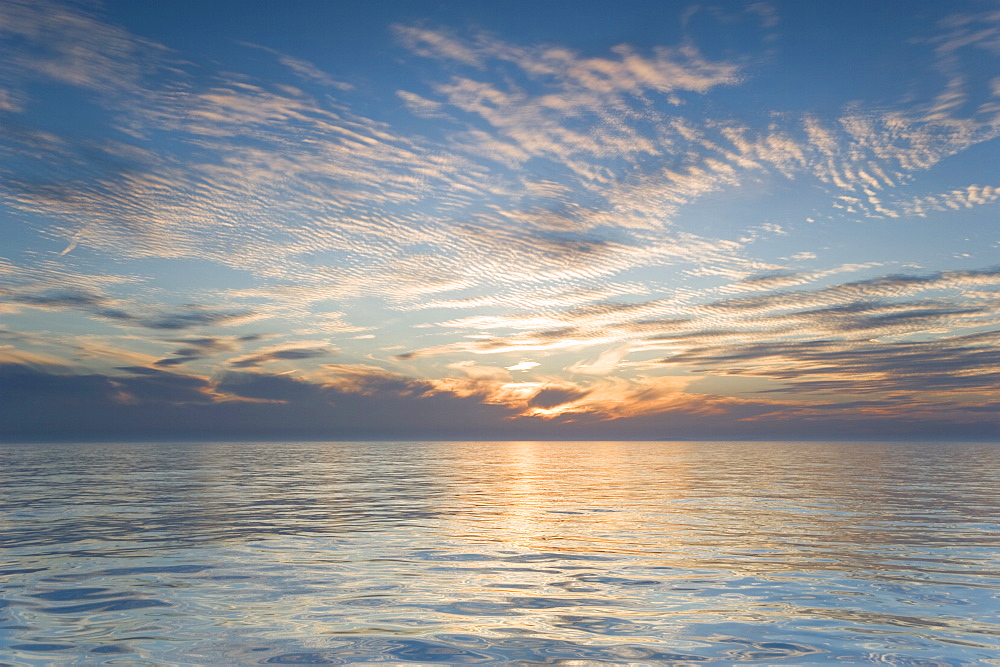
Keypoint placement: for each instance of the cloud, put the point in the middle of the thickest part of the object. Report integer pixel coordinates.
(523, 366)
(193, 316)
(327, 204)
(185, 317)
(55, 286)
(332, 322)
(966, 37)
(816, 339)
(72, 46)
(972, 195)
(603, 365)
(33, 360)
(302, 68)
(952, 365)
(203, 347)
(435, 44)
(144, 403)
(420, 106)
(361, 378)
(551, 398)
(566, 203)
(567, 108)
(282, 352)
(618, 398)
(626, 71)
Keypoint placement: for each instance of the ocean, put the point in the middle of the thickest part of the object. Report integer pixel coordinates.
(500, 552)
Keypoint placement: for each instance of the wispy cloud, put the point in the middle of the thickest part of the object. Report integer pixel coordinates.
(775, 335)
(603, 215)
(203, 347)
(283, 352)
(71, 45)
(320, 182)
(187, 317)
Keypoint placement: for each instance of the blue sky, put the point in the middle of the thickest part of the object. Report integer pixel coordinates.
(467, 219)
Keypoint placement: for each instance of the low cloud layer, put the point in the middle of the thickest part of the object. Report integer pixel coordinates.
(356, 403)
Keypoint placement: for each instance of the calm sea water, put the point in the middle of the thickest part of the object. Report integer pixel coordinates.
(479, 552)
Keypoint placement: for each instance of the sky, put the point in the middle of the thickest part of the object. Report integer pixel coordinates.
(499, 220)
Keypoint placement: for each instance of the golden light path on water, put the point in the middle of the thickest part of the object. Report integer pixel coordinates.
(484, 552)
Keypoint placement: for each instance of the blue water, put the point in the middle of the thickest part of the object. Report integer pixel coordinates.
(480, 552)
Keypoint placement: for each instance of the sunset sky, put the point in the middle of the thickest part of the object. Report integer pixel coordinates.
(464, 219)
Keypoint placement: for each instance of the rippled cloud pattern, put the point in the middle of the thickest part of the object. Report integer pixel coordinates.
(725, 221)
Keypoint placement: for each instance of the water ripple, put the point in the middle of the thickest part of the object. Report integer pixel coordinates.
(479, 553)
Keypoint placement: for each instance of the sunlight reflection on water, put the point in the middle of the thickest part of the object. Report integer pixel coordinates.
(500, 551)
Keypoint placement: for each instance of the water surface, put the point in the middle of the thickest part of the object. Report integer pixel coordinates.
(480, 552)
